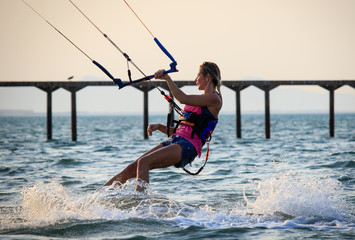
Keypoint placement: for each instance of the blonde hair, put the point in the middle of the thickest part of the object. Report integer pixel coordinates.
(211, 69)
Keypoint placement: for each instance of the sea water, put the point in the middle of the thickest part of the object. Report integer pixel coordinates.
(298, 184)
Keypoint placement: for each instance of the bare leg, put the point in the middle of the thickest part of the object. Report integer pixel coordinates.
(130, 171)
(161, 158)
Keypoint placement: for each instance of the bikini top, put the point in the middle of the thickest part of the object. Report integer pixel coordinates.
(201, 121)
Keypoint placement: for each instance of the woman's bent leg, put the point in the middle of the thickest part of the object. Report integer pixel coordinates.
(130, 171)
(127, 173)
(161, 158)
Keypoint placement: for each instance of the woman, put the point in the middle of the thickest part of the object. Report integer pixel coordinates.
(187, 141)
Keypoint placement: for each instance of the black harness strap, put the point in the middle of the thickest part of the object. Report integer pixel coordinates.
(201, 168)
(169, 119)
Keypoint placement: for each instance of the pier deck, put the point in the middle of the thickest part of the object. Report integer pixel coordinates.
(145, 87)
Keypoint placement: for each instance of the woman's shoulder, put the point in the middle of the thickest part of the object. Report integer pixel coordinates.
(217, 106)
(215, 96)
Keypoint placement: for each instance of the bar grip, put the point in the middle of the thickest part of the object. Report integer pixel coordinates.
(103, 69)
(117, 81)
(164, 49)
(171, 70)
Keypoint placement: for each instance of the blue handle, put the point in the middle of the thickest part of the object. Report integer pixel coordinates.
(121, 84)
(103, 69)
(117, 81)
(164, 50)
(172, 68)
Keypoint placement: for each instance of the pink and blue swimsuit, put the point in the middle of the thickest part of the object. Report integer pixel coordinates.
(192, 138)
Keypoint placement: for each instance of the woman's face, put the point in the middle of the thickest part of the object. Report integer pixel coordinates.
(201, 81)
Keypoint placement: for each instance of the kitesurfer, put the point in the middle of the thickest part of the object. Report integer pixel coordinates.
(199, 119)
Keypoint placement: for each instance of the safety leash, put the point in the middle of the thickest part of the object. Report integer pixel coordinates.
(201, 168)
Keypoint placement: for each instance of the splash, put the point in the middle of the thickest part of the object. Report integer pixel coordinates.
(288, 201)
(293, 195)
(291, 200)
(51, 203)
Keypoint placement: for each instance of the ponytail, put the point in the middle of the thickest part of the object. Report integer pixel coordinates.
(211, 69)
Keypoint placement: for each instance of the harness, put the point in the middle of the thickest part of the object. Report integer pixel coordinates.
(202, 125)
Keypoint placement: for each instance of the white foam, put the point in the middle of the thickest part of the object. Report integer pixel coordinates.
(47, 204)
(288, 201)
(295, 195)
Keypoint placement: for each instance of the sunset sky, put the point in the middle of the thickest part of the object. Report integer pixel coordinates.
(248, 39)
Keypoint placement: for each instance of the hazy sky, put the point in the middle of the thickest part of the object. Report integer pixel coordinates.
(248, 39)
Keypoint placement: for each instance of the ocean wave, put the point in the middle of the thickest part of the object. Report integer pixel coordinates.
(287, 201)
(341, 164)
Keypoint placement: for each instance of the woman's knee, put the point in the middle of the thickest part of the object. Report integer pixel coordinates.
(145, 163)
(131, 167)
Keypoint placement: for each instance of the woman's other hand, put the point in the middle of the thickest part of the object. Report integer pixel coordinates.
(152, 128)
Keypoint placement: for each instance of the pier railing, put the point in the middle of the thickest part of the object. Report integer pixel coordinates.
(145, 87)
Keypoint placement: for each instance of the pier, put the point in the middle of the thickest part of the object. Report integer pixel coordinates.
(145, 87)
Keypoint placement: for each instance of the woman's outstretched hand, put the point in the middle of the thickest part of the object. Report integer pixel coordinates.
(161, 75)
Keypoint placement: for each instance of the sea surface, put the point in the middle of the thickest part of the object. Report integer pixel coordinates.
(297, 185)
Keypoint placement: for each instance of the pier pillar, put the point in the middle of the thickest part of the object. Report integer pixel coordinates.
(267, 86)
(145, 114)
(331, 113)
(267, 113)
(331, 88)
(238, 114)
(49, 115)
(73, 116)
(238, 119)
(49, 91)
(73, 90)
(145, 89)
